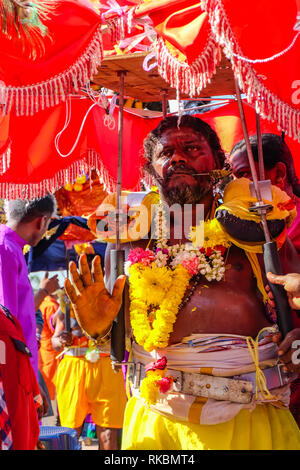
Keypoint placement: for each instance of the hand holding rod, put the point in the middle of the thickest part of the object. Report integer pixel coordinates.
(117, 351)
(272, 264)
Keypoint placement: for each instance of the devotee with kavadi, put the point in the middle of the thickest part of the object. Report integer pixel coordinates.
(205, 373)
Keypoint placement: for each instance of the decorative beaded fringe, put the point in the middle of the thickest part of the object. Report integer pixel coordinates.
(5, 160)
(189, 79)
(90, 161)
(30, 99)
(267, 104)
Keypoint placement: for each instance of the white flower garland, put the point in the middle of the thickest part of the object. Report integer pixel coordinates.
(211, 266)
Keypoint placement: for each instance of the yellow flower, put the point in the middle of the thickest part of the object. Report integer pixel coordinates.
(208, 235)
(166, 295)
(153, 284)
(149, 386)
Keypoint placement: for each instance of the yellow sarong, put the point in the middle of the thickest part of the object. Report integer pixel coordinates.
(183, 422)
(264, 428)
(85, 388)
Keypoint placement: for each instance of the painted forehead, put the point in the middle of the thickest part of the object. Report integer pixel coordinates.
(184, 133)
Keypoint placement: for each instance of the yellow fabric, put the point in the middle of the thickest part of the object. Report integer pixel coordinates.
(90, 388)
(257, 273)
(265, 428)
(139, 224)
(237, 200)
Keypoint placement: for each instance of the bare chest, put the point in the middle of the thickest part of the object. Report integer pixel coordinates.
(231, 306)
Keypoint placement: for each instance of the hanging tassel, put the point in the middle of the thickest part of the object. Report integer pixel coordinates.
(24, 21)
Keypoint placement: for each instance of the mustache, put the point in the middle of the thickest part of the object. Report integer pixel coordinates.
(182, 169)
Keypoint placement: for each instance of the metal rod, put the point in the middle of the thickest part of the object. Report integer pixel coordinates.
(200, 107)
(164, 103)
(247, 142)
(117, 351)
(67, 308)
(251, 161)
(211, 98)
(260, 148)
(121, 74)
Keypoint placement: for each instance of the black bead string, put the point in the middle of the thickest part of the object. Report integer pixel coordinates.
(195, 281)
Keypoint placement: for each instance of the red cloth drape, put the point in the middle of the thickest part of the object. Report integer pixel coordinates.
(191, 33)
(67, 60)
(36, 167)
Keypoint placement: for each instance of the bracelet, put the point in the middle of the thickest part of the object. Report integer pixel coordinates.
(38, 336)
(100, 340)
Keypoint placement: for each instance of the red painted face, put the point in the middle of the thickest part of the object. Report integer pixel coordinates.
(181, 157)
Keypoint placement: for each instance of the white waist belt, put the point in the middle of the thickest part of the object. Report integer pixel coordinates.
(76, 351)
(237, 389)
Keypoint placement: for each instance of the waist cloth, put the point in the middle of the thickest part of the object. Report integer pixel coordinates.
(85, 388)
(204, 420)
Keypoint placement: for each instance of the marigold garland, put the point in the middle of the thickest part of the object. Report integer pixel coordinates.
(151, 286)
(158, 281)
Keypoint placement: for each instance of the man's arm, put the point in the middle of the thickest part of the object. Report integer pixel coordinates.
(61, 338)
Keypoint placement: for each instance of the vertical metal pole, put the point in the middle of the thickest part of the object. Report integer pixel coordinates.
(251, 161)
(121, 74)
(67, 311)
(117, 256)
(260, 148)
(164, 103)
(270, 253)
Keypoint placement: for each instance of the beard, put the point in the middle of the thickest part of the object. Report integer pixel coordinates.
(182, 193)
(185, 194)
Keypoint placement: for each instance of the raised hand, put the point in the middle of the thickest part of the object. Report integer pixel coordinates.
(49, 284)
(94, 307)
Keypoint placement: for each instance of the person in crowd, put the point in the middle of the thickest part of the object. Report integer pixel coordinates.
(27, 222)
(279, 169)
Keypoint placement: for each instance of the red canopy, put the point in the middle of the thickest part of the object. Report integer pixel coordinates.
(67, 59)
(36, 166)
(260, 38)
